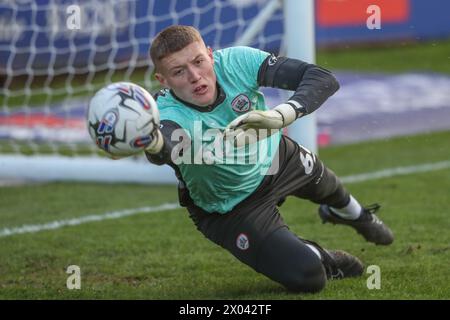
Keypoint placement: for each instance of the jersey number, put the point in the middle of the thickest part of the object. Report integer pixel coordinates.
(307, 160)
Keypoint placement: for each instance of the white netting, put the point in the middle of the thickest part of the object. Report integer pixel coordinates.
(55, 54)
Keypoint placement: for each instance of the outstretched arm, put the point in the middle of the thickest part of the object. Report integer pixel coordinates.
(312, 85)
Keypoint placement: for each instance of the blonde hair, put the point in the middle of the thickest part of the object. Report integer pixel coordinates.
(172, 39)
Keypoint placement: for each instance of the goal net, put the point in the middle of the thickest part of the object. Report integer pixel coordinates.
(54, 55)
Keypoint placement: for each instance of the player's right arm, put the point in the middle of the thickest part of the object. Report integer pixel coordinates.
(312, 85)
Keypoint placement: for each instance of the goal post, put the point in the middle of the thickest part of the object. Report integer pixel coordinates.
(300, 44)
(299, 41)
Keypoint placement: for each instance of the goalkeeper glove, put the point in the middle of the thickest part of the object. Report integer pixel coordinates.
(277, 118)
(157, 142)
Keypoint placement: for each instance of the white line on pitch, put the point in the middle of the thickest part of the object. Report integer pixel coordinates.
(30, 228)
(398, 171)
(170, 206)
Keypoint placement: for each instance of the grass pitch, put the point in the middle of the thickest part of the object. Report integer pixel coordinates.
(161, 255)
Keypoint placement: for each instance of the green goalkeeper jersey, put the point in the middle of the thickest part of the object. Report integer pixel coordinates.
(218, 175)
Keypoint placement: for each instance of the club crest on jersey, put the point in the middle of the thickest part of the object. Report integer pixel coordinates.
(241, 103)
(272, 60)
(242, 241)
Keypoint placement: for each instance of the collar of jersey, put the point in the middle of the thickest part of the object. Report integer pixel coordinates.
(220, 98)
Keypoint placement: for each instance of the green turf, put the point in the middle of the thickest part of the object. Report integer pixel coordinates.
(430, 56)
(162, 256)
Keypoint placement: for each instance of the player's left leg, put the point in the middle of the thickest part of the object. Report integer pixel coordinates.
(337, 206)
(256, 235)
(303, 265)
(305, 176)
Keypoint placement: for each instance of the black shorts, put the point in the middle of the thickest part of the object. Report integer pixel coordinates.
(243, 230)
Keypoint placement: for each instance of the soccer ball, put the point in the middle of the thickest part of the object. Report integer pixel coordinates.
(121, 119)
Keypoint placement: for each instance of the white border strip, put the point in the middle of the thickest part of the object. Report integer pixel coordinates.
(171, 206)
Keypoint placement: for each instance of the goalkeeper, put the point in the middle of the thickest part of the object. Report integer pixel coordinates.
(235, 205)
